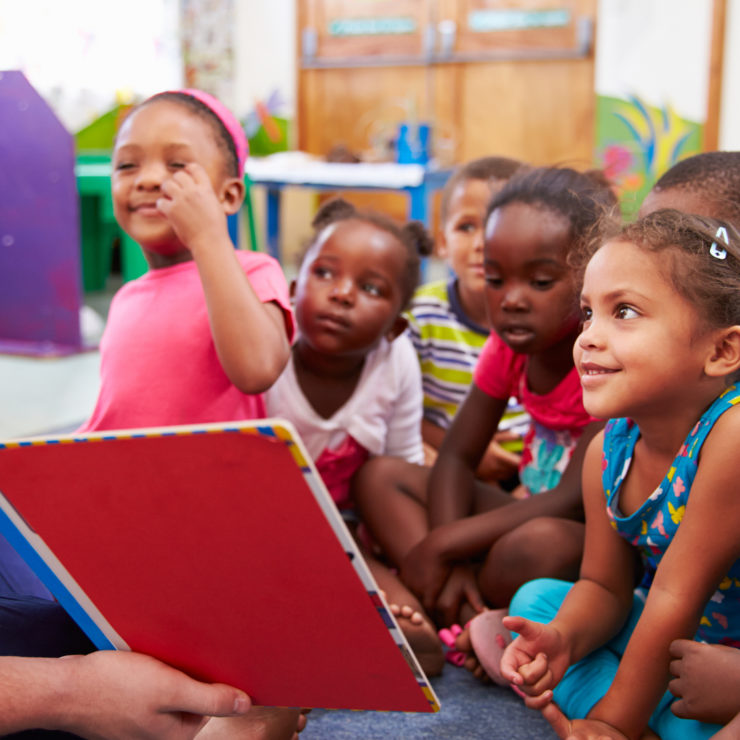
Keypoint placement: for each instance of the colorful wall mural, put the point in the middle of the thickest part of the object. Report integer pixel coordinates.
(636, 143)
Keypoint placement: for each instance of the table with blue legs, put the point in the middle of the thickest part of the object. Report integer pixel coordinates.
(277, 172)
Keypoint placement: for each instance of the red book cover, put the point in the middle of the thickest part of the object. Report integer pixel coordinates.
(216, 549)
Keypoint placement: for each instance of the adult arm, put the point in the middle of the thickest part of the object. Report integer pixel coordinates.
(250, 336)
(109, 694)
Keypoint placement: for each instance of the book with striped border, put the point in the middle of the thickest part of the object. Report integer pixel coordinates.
(217, 549)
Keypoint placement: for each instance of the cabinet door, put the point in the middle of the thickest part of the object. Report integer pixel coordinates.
(363, 69)
(336, 30)
(510, 77)
(517, 78)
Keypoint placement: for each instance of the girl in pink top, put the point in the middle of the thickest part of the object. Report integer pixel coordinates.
(463, 545)
(205, 332)
(208, 328)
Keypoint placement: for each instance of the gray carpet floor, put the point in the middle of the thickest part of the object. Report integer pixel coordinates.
(470, 711)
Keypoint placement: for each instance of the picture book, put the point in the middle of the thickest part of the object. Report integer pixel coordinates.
(217, 549)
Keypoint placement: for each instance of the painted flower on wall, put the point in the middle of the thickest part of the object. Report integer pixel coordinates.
(636, 143)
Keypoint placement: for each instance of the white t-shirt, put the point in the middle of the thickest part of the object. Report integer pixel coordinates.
(383, 414)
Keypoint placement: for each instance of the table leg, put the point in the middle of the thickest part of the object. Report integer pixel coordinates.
(273, 222)
(418, 210)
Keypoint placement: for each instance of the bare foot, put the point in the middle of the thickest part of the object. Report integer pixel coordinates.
(417, 628)
(421, 636)
(484, 640)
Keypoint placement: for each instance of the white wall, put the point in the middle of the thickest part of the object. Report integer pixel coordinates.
(729, 128)
(265, 53)
(79, 54)
(657, 50)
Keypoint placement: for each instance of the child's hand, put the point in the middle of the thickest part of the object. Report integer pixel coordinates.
(461, 588)
(192, 207)
(535, 661)
(424, 571)
(707, 681)
(579, 729)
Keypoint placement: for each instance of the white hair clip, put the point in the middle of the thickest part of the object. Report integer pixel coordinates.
(715, 250)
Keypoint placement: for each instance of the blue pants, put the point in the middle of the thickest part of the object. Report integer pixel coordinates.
(32, 624)
(16, 578)
(587, 681)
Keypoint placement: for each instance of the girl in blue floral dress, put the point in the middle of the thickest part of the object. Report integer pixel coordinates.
(659, 355)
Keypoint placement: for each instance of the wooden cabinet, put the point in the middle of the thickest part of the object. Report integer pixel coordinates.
(490, 76)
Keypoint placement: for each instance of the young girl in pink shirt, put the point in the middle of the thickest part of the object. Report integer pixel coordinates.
(201, 335)
(207, 330)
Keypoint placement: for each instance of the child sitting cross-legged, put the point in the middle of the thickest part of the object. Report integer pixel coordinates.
(462, 544)
(352, 387)
(659, 355)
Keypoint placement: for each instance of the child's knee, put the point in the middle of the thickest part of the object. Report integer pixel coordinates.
(544, 547)
(386, 475)
(376, 473)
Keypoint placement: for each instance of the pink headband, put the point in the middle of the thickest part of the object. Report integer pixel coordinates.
(231, 124)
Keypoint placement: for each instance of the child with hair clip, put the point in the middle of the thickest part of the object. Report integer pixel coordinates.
(352, 386)
(448, 322)
(196, 339)
(706, 678)
(464, 545)
(659, 355)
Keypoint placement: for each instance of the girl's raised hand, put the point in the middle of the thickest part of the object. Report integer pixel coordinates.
(192, 207)
(535, 661)
(579, 729)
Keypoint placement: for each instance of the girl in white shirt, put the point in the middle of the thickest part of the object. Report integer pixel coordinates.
(352, 387)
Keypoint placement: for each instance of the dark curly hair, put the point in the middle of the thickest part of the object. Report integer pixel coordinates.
(696, 269)
(413, 237)
(487, 169)
(584, 199)
(712, 176)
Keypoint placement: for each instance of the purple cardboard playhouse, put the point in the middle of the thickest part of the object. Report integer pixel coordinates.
(40, 283)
